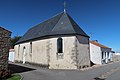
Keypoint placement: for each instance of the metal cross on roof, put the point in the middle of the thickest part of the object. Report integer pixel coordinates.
(64, 6)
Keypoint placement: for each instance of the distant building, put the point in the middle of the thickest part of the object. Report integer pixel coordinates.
(11, 55)
(4, 47)
(58, 43)
(116, 56)
(100, 54)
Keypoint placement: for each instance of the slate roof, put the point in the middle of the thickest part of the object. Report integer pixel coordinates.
(61, 24)
(98, 44)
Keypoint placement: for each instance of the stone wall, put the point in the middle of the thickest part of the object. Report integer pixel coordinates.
(63, 60)
(82, 52)
(4, 47)
(44, 52)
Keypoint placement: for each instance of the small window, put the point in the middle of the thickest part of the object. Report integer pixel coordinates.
(30, 47)
(59, 45)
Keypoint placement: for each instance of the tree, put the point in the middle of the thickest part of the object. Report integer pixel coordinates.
(14, 40)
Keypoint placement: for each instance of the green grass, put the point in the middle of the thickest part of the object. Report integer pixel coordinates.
(15, 77)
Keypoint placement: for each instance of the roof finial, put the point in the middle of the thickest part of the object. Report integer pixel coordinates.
(64, 6)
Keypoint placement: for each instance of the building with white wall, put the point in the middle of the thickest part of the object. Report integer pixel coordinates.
(116, 56)
(100, 54)
(11, 55)
(58, 43)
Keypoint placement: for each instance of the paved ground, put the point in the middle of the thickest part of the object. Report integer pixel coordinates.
(107, 72)
(115, 76)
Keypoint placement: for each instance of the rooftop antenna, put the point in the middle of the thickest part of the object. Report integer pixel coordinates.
(91, 35)
(64, 6)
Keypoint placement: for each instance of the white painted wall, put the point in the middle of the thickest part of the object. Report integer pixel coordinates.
(11, 55)
(45, 52)
(38, 54)
(19, 52)
(95, 54)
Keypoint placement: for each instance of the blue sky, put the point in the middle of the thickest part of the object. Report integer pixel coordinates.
(100, 19)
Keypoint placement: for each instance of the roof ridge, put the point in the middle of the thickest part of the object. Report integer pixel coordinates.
(71, 19)
(57, 22)
(98, 44)
(5, 29)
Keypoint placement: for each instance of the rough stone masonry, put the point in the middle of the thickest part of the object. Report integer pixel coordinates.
(4, 47)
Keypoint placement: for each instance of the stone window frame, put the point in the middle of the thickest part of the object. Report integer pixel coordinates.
(60, 45)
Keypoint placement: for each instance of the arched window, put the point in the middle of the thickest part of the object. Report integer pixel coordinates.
(59, 45)
(24, 54)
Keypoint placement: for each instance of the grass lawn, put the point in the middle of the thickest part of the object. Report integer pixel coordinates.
(15, 77)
